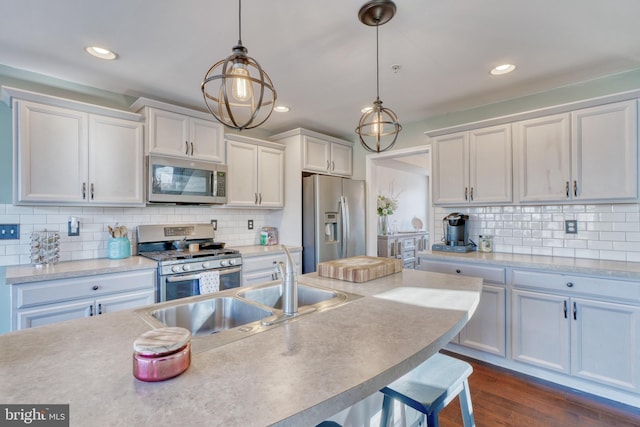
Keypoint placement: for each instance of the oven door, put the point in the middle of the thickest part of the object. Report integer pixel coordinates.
(187, 285)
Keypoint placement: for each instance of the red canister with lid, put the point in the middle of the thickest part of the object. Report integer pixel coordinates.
(161, 354)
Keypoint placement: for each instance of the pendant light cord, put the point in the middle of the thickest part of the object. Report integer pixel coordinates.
(240, 22)
(377, 64)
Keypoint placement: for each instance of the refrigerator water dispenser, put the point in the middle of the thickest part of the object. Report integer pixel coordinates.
(330, 226)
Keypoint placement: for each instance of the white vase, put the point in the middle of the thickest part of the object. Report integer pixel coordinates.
(383, 225)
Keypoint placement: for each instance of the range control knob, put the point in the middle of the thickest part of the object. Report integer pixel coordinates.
(232, 262)
(206, 264)
(186, 267)
(176, 268)
(224, 263)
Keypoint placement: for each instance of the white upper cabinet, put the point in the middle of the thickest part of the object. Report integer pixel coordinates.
(180, 132)
(473, 167)
(586, 155)
(604, 144)
(255, 176)
(543, 158)
(69, 156)
(327, 155)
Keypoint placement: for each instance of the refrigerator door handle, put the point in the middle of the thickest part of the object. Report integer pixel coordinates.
(346, 232)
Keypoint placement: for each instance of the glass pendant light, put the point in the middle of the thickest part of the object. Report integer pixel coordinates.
(379, 126)
(237, 91)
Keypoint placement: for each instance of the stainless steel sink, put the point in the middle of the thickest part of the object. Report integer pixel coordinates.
(222, 318)
(211, 315)
(271, 296)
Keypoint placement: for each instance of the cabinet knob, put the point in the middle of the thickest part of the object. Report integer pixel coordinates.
(95, 287)
(458, 271)
(569, 285)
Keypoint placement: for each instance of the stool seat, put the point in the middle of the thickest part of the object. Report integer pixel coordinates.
(430, 387)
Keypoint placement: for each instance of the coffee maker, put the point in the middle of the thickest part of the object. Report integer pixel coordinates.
(455, 234)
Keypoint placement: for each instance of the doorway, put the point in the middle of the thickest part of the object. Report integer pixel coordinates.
(404, 174)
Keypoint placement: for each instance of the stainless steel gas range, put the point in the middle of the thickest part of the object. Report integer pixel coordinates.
(181, 270)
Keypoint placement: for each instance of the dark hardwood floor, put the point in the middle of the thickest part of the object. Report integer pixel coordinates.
(504, 398)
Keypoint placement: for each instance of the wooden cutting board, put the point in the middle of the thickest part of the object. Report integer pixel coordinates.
(359, 268)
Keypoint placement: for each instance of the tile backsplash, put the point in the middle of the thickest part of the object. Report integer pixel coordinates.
(606, 232)
(92, 241)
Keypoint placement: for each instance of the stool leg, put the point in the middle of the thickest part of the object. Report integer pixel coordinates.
(386, 409)
(465, 405)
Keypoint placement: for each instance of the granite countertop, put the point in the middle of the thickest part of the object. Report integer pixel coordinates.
(66, 269)
(294, 374)
(590, 267)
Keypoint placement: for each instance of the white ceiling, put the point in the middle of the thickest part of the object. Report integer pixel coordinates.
(320, 57)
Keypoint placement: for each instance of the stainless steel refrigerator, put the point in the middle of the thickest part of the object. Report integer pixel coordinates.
(332, 219)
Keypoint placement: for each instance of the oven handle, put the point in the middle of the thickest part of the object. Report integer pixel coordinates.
(171, 279)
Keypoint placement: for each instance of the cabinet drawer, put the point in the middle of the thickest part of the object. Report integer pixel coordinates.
(570, 284)
(31, 294)
(258, 263)
(489, 274)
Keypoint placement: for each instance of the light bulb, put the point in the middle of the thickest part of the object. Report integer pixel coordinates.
(376, 126)
(241, 85)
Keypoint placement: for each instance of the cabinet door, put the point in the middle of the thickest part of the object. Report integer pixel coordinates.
(168, 133)
(125, 301)
(242, 175)
(486, 330)
(451, 169)
(543, 158)
(270, 183)
(115, 161)
(316, 154)
(605, 156)
(341, 159)
(208, 140)
(490, 160)
(51, 147)
(605, 339)
(53, 313)
(540, 330)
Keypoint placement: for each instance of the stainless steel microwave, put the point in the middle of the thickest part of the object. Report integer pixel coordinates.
(185, 181)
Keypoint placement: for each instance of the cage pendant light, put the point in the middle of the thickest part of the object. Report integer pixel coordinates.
(379, 126)
(236, 90)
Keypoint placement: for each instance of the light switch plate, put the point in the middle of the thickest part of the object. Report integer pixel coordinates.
(9, 231)
(214, 222)
(250, 224)
(571, 226)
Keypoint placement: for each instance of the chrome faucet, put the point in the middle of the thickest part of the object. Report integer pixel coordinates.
(289, 284)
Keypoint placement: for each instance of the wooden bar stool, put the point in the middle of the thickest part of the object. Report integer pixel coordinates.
(430, 387)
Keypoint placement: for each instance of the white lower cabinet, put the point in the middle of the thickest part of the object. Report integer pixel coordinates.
(486, 330)
(42, 303)
(262, 268)
(561, 326)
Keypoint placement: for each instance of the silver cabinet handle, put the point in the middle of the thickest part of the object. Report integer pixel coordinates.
(99, 308)
(575, 311)
(333, 165)
(84, 191)
(186, 151)
(91, 310)
(327, 164)
(192, 148)
(566, 188)
(466, 193)
(471, 194)
(92, 191)
(255, 198)
(575, 188)
(565, 309)
(259, 198)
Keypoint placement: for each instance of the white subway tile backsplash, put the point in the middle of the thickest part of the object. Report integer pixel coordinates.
(92, 242)
(605, 231)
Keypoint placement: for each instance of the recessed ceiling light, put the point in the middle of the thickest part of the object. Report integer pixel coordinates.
(503, 69)
(281, 109)
(100, 52)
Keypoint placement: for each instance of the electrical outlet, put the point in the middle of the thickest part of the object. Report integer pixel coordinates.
(571, 226)
(9, 231)
(250, 224)
(214, 222)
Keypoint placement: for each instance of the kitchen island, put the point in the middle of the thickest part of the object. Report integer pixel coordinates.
(297, 373)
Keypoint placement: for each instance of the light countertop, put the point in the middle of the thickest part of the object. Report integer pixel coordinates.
(294, 374)
(258, 250)
(66, 269)
(590, 267)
